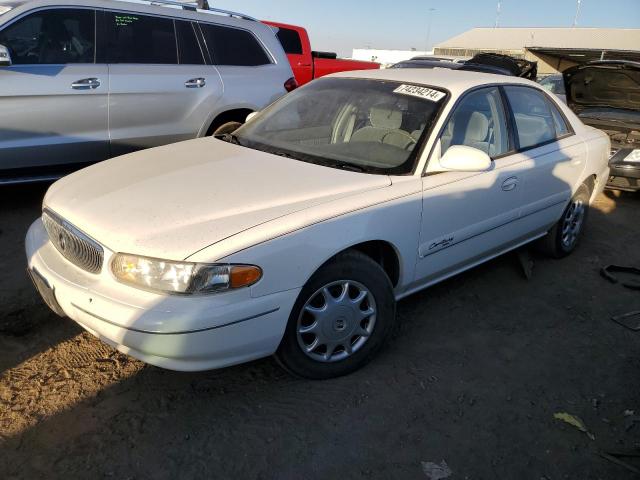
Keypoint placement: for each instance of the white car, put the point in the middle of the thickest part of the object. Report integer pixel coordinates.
(297, 234)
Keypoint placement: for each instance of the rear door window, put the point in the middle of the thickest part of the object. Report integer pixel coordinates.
(57, 36)
(135, 38)
(189, 52)
(532, 115)
(290, 40)
(233, 46)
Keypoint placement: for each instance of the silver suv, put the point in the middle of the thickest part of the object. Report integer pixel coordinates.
(85, 80)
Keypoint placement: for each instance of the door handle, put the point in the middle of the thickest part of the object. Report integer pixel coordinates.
(195, 83)
(510, 184)
(86, 84)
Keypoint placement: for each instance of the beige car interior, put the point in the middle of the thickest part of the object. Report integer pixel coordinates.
(384, 127)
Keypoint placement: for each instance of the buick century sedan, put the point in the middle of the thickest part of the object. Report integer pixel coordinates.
(297, 234)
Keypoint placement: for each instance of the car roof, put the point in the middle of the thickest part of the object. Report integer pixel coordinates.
(136, 6)
(456, 81)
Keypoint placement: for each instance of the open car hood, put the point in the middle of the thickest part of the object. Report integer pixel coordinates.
(503, 64)
(609, 83)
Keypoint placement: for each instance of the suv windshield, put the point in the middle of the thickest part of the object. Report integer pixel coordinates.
(372, 126)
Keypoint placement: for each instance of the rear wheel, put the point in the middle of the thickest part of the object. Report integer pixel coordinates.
(341, 318)
(565, 235)
(228, 127)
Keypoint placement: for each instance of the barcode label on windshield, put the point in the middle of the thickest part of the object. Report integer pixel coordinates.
(421, 92)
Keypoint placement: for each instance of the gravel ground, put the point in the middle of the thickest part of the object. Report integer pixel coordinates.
(474, 375)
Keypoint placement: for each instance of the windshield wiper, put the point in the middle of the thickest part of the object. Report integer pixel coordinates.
(348, 166)
(284, 154)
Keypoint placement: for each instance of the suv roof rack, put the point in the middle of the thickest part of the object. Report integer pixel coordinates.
(194, 6)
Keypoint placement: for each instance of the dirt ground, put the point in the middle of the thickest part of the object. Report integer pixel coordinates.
(474, 376)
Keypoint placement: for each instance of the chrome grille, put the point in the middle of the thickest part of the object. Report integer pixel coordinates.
(75, 246)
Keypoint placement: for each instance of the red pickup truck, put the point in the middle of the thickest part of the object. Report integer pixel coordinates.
(308, 64)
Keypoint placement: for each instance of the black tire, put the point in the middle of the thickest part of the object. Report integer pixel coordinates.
(228, 127)
(555, 243)
(357, 268)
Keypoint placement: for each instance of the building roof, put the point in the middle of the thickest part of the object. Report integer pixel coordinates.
(508, 38)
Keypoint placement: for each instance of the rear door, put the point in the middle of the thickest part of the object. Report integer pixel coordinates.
(53, 98)
(553, 157)
(161, 89)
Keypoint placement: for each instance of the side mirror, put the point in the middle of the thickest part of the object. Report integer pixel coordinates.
(5, 57)
(251, 115)
(461, 158)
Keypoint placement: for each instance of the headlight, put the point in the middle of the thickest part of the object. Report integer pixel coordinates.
(168, 276)
(633, 157)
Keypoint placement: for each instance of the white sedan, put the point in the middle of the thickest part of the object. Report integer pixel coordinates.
(297, 234)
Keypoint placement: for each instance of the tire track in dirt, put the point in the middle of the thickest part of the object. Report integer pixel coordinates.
(56, 379)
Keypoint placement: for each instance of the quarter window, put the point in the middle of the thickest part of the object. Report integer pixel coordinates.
(558, 121)
(232, 46)
(478, 121)
(58, 36)
(189, 52)
(134, 38)
(532, 115)
(290, 40)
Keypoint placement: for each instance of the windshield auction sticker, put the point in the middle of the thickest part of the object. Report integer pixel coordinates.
(420, 92)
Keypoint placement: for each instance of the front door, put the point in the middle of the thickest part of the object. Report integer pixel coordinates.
(469, 216)
(301, 61)
(53, 98)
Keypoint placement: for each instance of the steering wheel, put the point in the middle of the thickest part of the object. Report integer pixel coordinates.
(410, 140)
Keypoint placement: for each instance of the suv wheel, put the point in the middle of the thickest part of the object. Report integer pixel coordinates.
(228, 127)
(341, 318)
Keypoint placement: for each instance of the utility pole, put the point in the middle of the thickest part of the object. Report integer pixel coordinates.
(498, 8)
(430, 13)
(575, 20)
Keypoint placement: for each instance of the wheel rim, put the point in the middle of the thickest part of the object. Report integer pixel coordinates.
(572, 223)
(336, 321)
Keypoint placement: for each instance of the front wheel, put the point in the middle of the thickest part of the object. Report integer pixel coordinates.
(341, 318)
(563, 238)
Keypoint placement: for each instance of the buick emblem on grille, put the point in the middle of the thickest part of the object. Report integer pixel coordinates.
(74, 245)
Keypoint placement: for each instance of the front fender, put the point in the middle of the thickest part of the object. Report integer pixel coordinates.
(288, 259)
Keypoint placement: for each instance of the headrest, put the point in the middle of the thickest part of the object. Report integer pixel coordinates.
(384, 116)
(477, 128)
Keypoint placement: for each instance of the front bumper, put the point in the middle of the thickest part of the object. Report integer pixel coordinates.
(173, 332)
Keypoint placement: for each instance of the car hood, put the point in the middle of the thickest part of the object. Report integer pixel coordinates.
(611, 84)
(172, 201)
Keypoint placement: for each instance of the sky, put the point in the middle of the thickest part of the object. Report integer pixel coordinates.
(341, 25)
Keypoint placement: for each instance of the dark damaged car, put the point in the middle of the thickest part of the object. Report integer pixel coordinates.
(606, 95)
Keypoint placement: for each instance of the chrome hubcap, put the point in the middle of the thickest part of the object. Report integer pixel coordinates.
(572, 223)
(336, 321)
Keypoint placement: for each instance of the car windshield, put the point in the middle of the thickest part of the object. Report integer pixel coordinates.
(363, 125)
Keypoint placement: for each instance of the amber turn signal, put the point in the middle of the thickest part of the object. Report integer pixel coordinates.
(244, 275)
